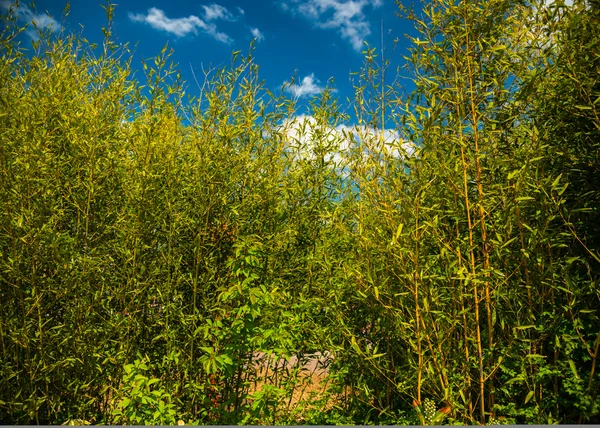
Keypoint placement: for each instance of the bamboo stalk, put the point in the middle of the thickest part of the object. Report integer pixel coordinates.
(480, 195)
(471, 228)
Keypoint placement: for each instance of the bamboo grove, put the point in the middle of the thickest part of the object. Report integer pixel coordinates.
(152, 242)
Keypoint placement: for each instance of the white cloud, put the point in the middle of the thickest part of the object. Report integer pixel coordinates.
(257, 34)
(26, 14)
(308, 87)
(375, 141)
(345, 16)
(181, 27)
(303, 133)
(215, 11)
(567, 2)
(306, 136)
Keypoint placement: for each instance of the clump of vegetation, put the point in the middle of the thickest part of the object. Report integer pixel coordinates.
(152, 243)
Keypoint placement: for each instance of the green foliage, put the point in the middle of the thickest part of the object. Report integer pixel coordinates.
(142, 400)
(446, 246)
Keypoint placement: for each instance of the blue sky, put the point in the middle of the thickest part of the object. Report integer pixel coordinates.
(312, 40)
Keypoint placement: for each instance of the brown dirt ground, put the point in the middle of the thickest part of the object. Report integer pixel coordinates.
(312, 380)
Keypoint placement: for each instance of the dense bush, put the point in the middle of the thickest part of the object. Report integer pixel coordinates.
(152, 243)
